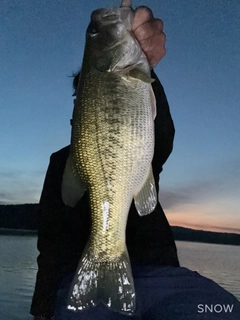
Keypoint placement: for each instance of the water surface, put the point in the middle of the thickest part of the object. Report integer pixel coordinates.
(18, 269)
(17, 276)
(220, 263)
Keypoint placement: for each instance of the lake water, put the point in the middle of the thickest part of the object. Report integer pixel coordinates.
(18, 270)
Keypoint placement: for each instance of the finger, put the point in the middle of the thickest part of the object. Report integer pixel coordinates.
(142, 14)
(157, 40)
(154, 48)
(155, 55)
(148, 29)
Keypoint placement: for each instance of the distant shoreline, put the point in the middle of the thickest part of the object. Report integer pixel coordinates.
(180, 234)
(22, 220)
(17, 232)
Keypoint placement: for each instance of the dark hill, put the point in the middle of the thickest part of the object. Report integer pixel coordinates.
(20, 216)
(187, 234)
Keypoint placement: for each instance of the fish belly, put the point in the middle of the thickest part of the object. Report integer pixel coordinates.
(113, 151)
(112, 147)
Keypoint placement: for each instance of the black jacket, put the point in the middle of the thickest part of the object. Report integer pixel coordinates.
(63, 231)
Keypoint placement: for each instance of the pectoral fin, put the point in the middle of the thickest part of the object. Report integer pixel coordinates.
(141, 75)
(72, 186)
(146, 199)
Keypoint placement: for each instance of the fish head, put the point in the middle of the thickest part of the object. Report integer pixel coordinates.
(110, 43)
(108, 26)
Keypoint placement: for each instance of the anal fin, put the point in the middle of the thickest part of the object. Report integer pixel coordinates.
(146, 199)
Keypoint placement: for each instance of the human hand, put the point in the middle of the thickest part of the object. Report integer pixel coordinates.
(149, 33)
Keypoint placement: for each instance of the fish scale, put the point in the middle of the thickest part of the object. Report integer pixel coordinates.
(112, 147)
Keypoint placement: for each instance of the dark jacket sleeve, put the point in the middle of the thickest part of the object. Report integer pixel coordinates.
(48, 275)
(149, 238)
(164, 129)
(62, 235)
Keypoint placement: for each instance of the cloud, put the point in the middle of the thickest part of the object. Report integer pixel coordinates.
(191, 193)
(24, 195)
(207, 185)
(4, 197)
(18, 187)
(172, 198)
(209, 204)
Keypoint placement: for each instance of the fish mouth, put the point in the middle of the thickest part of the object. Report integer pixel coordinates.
(123, 14)
(106, 16)
(111, 15)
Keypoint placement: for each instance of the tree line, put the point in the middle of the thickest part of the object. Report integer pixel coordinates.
(25, 216)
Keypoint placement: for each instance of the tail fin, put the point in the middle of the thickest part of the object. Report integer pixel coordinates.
(109, 281)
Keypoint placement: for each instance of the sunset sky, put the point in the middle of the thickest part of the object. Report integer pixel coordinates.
(41, 44)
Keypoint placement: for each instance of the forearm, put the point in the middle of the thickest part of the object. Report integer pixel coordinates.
(49, 272)
(62, 235)
(164, 127)
(48, 276)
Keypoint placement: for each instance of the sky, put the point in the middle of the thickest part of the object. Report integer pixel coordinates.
(41, 45)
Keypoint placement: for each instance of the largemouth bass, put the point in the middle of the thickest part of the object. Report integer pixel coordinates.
(112, 145)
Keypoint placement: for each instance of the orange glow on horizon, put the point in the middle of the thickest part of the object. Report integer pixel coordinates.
(203, 227)
(199, 218)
